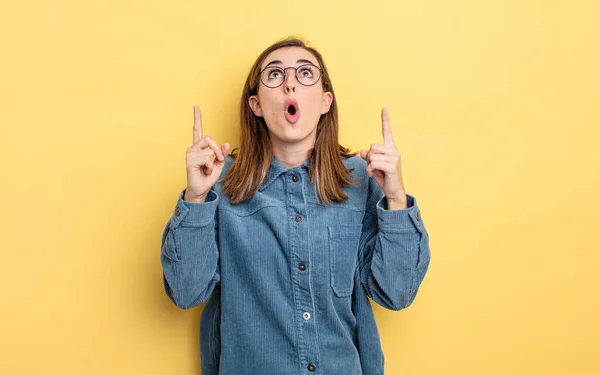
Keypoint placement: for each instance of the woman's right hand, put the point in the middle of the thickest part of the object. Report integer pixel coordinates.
(204, 162)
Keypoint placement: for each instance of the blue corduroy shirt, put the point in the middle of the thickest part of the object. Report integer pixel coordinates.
(287, 280)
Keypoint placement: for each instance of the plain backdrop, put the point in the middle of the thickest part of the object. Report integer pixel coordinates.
(494, 107)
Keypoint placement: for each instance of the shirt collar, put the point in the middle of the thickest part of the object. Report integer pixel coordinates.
(275, 170)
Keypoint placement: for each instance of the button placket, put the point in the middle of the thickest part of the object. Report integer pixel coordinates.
(300, 252)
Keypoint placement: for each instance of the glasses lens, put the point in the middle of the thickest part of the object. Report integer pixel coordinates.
(308, 75)
(272, 76)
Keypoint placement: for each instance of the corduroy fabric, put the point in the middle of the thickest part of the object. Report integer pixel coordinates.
(286, 280)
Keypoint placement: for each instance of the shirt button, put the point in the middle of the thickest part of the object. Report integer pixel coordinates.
(418, 215)
(296, 177)
(302, 266)
(306, 316)
(311, 367)
(299, 218)
(177, 211)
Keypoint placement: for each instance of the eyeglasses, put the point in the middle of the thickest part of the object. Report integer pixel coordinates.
(274, 76)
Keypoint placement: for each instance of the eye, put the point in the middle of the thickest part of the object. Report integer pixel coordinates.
(275, 73)
(306, 71)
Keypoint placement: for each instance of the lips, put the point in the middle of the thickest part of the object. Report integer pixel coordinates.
(292, 111)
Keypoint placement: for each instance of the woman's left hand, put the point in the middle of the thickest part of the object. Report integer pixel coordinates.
(383, 162)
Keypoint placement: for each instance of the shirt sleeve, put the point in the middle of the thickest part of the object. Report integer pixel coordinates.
(394, 252)
(189, 252)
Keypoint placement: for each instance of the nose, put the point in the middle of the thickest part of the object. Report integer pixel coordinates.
(290, 81)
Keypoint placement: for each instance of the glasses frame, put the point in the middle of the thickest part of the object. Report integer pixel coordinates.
(285, 75)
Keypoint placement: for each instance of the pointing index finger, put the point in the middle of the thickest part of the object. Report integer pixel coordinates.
(386, 129)
(197, 124)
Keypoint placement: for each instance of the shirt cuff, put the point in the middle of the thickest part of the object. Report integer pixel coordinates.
(191, 214)
(406, 220)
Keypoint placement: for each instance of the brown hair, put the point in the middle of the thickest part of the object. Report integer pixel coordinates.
(252, 159)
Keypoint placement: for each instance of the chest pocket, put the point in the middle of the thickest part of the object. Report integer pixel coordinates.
(343, 255)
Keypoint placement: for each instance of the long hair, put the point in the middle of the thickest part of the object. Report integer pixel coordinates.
(253, 158)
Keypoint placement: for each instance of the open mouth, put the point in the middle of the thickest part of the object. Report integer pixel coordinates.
(292, 111)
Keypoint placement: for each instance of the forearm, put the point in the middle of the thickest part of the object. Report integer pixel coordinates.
(189, 252)
(398, 256)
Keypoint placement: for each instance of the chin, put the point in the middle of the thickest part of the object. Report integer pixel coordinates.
(300, 133)
(293, 133)
(292, 136)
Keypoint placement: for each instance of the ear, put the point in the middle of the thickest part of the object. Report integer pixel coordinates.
(255, 105)
(327, 100)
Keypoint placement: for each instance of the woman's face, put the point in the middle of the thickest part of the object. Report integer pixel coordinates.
(292, 110)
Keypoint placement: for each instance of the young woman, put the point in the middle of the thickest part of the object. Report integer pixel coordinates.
(287, 237)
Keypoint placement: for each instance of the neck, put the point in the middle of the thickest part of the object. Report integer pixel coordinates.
(292, 155)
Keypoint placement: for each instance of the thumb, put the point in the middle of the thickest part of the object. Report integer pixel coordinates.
(363, 154)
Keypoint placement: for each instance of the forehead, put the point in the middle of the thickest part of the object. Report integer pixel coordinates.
(289, 56)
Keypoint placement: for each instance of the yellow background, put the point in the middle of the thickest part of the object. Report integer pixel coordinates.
(494, 106)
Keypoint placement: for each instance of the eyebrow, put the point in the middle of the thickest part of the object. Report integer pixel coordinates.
(274, 62)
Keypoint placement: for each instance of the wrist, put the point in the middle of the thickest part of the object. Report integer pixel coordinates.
(397, 203)
(194, 199)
